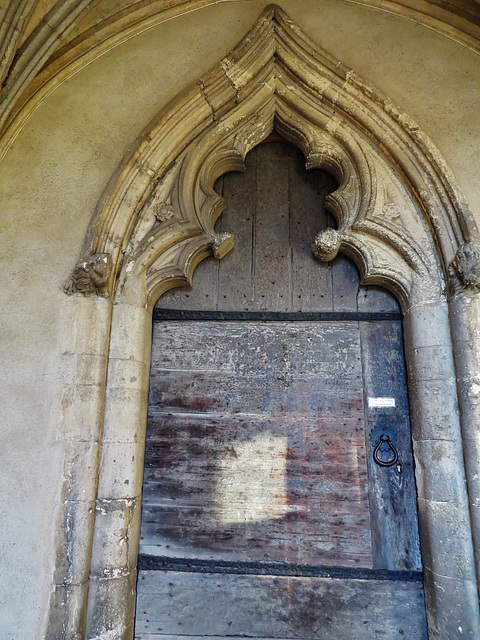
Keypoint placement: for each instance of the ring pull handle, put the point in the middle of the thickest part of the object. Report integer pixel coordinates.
(385, 439)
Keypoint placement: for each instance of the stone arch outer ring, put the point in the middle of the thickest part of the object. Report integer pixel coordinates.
(105, 36)
(268, 78)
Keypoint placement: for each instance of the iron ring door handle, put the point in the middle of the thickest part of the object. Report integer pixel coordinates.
(385, 438)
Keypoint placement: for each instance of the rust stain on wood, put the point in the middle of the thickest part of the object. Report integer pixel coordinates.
(262, 454)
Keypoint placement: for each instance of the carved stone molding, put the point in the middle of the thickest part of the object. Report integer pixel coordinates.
(389, 222)
(464, 269)
(90, 276)
(46, 73)
(222, 244)
(276, 78)
(163, 212)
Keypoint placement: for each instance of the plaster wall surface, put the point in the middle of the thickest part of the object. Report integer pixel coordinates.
(53, 176)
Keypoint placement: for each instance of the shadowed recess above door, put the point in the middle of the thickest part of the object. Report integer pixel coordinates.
(274, 210)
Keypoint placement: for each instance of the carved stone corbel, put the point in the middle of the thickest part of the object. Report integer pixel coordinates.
(90, 276)
(222, 244)
(163, 211)
(464, 269)
(326, 245)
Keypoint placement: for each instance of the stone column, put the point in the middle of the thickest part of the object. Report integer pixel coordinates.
(111, 599)
(444, 519)
(465, 324)
(78, 430)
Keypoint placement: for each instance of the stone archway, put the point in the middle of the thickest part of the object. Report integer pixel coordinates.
(400, 218)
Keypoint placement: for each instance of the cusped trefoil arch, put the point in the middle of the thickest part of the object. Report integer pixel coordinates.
(399, 213)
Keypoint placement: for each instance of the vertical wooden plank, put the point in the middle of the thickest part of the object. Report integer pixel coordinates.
(235, 276)
(312, 284)
(345, 283)
(391, 489)
(377, 299)
(271, 247)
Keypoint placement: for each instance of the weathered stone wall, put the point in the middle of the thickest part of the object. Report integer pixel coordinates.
(54, 174)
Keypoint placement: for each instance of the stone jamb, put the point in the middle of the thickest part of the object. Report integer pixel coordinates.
(464, 308)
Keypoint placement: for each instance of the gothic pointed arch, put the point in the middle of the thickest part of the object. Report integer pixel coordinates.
(400, 215)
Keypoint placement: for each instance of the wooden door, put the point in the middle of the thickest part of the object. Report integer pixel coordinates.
(272, 507)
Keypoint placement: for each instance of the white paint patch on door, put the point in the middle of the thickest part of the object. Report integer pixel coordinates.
(379, 403)
(252, 482)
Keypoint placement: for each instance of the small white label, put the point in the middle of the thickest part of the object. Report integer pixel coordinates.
(377, 403)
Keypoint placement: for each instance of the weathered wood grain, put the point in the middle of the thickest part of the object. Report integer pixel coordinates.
(345, 282)
(256, 444)
(275, 209)
(236, 270)
(392, 489)
(311, 279)
(373, 299)
(278, 607)
(272, 263)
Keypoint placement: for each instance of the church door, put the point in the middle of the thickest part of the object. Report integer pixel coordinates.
(279, 496)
